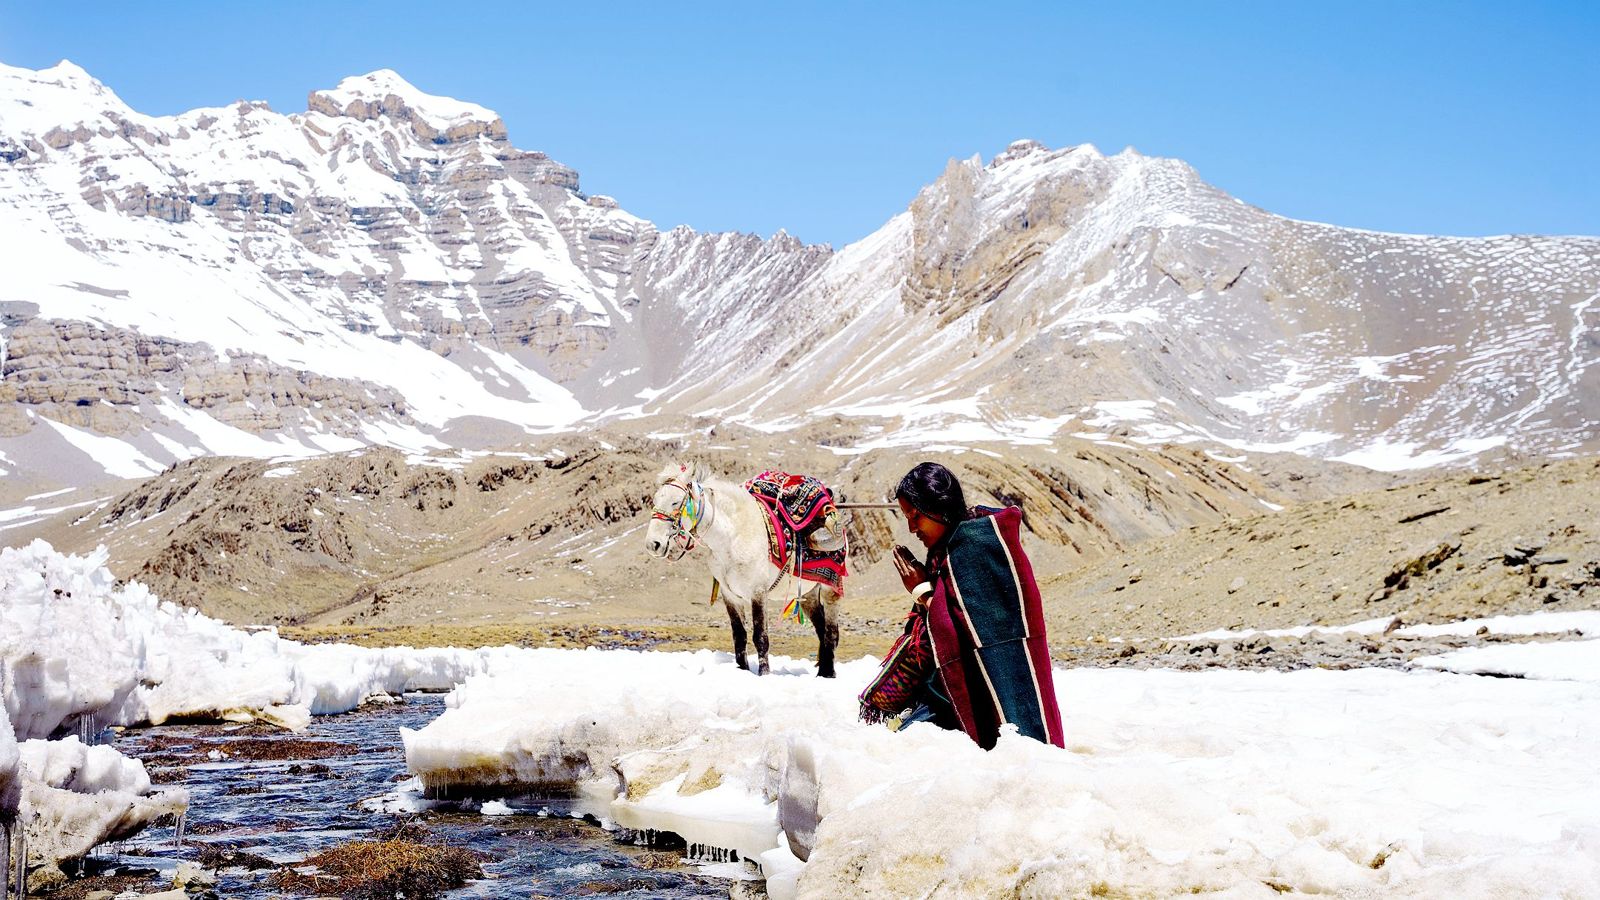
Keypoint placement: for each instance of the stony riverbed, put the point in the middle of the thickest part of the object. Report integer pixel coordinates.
(264, 799)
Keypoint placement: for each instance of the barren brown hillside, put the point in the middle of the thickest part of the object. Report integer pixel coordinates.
(550, 535)
(1456, 546)
(542, 545)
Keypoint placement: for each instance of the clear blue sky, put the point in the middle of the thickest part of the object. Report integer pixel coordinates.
(1454, 118)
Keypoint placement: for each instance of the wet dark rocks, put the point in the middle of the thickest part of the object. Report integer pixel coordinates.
(404, 830)
(113, 883)
(314, 769)
(213, 856)
(255, 729)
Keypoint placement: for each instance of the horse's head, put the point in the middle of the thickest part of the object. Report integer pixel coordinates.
(675, 511)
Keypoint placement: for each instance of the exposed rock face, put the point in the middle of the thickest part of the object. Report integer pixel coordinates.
(969, 241)
(383, 94)
(113, 380)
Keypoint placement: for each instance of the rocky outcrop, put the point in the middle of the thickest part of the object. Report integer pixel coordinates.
(394, 107)
(113, 380)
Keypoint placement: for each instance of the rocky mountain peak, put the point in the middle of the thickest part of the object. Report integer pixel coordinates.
(1018, 150)
(67, 71)
(62, 96)
(384, 93)
(785, 241)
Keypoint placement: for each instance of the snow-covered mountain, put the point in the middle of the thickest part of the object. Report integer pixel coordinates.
(1070, 292)
(386, 268)
(383, 268)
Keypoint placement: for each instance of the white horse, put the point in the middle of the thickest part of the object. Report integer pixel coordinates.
(692, 510)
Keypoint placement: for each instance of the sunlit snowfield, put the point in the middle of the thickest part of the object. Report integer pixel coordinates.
(1372, 782)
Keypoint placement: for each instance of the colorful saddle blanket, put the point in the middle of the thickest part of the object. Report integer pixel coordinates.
(797, 506)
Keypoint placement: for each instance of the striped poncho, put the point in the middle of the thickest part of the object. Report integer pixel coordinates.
(986, 627)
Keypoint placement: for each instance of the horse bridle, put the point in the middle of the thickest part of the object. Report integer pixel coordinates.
(684, 519)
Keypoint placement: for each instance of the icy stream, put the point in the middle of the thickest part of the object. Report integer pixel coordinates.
(286, 810)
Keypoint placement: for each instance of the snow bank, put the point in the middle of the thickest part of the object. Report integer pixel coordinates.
(1370, 782)
(71, 797)
(1373, 782)
(66, 821)
(74, 765)
(77, 653)
(1559, 661)
(10, 778)
(335, 678)
(1584, 622)
(682, 737)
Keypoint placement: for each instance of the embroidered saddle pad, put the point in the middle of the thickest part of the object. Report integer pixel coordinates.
(798, 507)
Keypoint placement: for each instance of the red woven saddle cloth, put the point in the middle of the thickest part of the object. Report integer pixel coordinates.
(797, 506)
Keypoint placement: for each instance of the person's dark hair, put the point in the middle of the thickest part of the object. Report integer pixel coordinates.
(934, 490)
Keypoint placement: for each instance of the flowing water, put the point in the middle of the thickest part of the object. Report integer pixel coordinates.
(286, 810)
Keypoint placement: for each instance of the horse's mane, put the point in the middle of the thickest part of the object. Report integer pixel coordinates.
(684, 471)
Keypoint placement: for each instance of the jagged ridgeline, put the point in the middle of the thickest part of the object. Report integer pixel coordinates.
(386, 268)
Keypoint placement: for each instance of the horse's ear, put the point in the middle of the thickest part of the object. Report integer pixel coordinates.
(668, 473)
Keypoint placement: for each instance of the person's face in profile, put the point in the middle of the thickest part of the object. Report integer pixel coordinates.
(927, 529)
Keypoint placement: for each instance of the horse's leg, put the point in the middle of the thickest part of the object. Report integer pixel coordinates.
(827, 623)
(832, 606)
(817, 609)
(737, 621)
(758, 628)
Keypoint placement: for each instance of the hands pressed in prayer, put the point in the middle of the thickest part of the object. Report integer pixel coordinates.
(912, 572)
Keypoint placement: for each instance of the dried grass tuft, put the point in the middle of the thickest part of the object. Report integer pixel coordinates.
(381, 870)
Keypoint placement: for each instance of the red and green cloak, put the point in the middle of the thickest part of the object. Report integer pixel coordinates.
(986, 625)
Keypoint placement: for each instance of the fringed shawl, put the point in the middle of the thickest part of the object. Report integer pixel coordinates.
(902, 674)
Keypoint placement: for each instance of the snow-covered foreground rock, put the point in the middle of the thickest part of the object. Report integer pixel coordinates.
(1247, 783)
(76, 797)
(78, 653)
